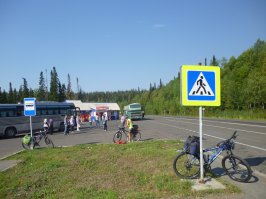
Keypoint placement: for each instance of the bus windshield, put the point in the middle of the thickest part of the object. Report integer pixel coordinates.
(135, 106)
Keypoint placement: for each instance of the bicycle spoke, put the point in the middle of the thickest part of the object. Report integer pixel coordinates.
(186, 166)
(236, 168)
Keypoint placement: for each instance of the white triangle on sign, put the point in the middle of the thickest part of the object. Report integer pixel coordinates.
(201, 87)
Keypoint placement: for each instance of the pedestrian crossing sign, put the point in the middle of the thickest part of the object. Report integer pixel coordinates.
(200, 85)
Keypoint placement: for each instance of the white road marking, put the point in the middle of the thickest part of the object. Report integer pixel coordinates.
(210, 136)
(240, 124)
(222, 127)
(236, 142)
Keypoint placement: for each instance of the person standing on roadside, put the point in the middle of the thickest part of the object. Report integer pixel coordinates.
(51, 126)
(72, 123)
(78, 122)
(66, 124)
(104, 119)
(45, 125)
(123, 120)
(97, 121)
(130, 128)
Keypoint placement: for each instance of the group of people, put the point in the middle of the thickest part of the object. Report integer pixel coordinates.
(98, 120)
(70, 122)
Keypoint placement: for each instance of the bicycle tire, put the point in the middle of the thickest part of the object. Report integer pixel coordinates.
(49, 142)
(26, 146)
(117, 137)
(186, 166)
(136, 137)
(236, 168)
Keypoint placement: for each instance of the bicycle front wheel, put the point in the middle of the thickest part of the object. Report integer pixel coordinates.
(49, 142)
(136, 137)
(117, 136)
(186, 166)
(236, 168)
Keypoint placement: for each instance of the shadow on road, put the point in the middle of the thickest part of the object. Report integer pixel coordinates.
(147, 139)
(219, 172)
(255, 161)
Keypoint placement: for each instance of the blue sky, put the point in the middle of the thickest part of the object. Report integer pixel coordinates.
(112, 45)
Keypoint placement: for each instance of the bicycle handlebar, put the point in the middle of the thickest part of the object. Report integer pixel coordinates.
(227, 140)
(234, 135)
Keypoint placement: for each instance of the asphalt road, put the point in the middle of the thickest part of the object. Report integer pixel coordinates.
(251, 142)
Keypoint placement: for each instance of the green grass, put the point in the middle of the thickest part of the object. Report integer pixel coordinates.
(135, 170)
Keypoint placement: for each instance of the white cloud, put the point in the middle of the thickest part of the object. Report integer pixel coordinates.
(158, 26)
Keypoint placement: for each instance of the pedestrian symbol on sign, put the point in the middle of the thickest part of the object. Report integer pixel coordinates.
(201, 87)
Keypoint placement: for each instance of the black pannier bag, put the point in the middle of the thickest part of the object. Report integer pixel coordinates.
(135, 129)
(192, 145)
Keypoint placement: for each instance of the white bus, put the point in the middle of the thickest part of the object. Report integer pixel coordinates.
(13, 122)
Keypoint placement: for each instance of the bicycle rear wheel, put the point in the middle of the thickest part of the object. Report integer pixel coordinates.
(26, 146)
(49, 142)
(136, 137)
(117, 137)
(186, 166)
(236, 168)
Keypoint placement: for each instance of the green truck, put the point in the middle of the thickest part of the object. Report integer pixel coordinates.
(134, 111)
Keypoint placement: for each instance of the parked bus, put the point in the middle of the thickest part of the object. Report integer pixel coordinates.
(133, 111)
(13, 121)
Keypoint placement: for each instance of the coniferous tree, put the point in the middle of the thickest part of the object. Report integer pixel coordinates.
(31, 93)
(214, 61)
(4, 97)
(11, 94)
(15, 96)
(20, 94)
(161, 83)
(25, 89)
(41, 93)
(1, 94)
(69, 92)
(54, 85)
(62, 92)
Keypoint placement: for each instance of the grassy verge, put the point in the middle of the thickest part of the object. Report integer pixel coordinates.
(135, 170)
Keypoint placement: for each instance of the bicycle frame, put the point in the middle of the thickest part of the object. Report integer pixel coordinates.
(39, 136)
(218, 151)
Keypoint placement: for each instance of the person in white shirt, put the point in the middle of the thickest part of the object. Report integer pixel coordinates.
(78, 122)
(97, 121)
(104, 119)
(123, 120)
(72, 123)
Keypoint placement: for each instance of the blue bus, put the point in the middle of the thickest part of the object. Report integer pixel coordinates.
(13, 122)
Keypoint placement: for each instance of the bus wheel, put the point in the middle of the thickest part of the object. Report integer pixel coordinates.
(10, 132)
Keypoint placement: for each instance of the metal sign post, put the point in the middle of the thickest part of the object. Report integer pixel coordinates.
(200, 86)
(201, 147)
(31, 134)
